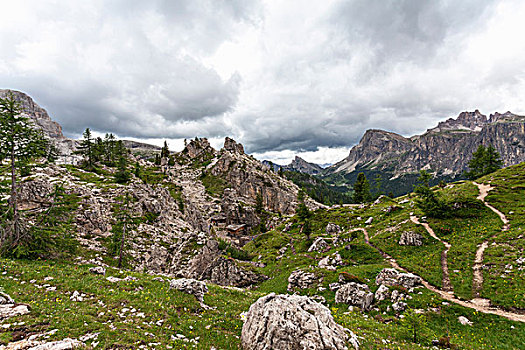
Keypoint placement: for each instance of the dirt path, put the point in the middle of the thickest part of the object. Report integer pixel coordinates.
(477, 272)
(447, 285)
(476, 304)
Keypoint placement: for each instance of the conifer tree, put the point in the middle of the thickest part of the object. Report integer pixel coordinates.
(485, 160)
(19, 144)
(86, 148)
(362, 189)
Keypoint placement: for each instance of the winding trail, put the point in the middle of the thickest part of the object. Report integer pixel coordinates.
(477, 272)
(447, 285)
(472, 304)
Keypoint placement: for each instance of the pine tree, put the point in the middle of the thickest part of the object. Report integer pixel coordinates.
(362, 189)
(485, 160)
(19, 144)
(86, 149)
(303, 213)
(259, 203)
(165, 152)
(122, 175)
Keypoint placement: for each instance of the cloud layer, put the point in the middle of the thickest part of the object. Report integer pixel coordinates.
(284, 78)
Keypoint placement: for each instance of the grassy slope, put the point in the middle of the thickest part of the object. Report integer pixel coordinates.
(221, 327)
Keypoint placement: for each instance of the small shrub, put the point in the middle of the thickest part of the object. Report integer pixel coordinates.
(348, 277)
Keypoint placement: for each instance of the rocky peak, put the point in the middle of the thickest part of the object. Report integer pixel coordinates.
(302, 166)
(36, 113)
(505, 117)
(198, 147)
(468, 121)
(232, 146)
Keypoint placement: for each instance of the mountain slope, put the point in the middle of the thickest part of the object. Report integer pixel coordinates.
(444, 150)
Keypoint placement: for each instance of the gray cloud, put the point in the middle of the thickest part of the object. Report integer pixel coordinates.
(294, 76)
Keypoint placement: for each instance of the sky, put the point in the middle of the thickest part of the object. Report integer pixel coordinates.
(284, 78)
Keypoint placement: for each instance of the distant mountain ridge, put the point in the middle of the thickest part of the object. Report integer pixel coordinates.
(444, 150)
(298, 164)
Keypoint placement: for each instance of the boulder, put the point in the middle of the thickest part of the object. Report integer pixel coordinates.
(12, 310)
(382, 293)
(301, 280)
(333, 229)
(330, 262)
(5, 299)
(319, 245)
(190, 286)
(291, 322)
(411, 238)
(98, 270)
(399, 306)
(391, 277)
(369, 220)
(464, 321)
(32, 344)
(355, 294)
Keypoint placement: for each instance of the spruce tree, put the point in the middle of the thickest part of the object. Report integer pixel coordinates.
(485, 160)
(362, 189)
(19, 144)
(86, 149)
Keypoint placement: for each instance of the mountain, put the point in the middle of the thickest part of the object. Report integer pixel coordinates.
(444, 150)
(298, 164)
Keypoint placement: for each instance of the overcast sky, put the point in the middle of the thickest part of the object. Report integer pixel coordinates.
(303, 77)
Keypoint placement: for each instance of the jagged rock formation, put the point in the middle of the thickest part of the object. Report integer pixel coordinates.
(300, 279)
(411, 238)
(391, 277)
(445, 149)
(293, 322)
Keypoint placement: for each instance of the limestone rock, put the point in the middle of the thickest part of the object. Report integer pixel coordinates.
(300, 279)
(333, 229)
(32, 344)
(98, 270)
(331, 262)
(12, 310)
(5, 299)
(391, 277)
(382, 293)
(292, 322)
(318, 245)
(190, 286)
(232, 146)
(411, 238)
(355, 294)
(399, 306)
(464, 321)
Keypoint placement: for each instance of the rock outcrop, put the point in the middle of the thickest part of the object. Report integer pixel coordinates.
(293, 322)
(411, 238)
(355, 294)
(190, 286)
(391, 277)
(300, 279)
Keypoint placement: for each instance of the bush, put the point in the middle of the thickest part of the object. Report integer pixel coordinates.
(348, 277)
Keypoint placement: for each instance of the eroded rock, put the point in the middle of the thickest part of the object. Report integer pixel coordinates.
(190, 286)
(293, 322)
(410, 238)
(355, 294)
(391, 277)
(300, 279)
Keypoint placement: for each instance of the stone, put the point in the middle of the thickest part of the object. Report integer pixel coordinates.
(369, 220)
(5, 299)
(464, 321)
(190, 286)
(382, 293)
(76, 296)
(399, 306)
(409, 238)
(333, 229)
(318, 245)
(291, 322)
(355, 294)
(300, 279)
(331, 262)
(391, 277)
(32, 344)
(12, 310)
(98, 270)
(232, 146)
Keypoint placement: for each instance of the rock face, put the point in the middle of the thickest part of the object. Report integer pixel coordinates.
(395, 155)
(292, 322)
(355, 294)
(190, 286)
(302, 166)
(411, 238)
(391, 277)
(232, 146)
